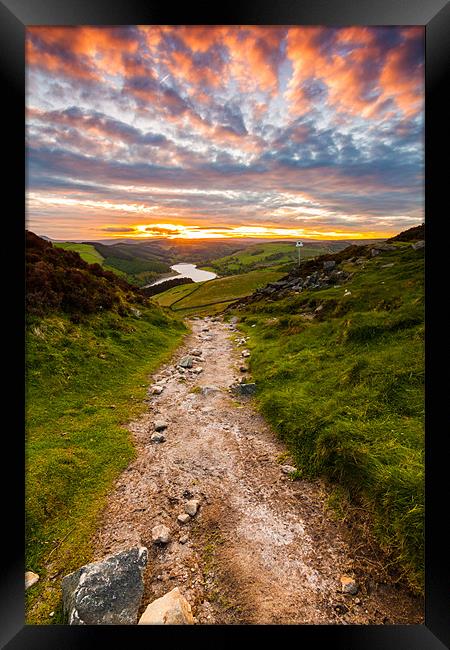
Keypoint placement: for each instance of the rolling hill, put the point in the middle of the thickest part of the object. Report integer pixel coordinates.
(87, 252)
(265, 254)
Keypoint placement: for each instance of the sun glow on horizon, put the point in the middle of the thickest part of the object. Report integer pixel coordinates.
(181, 231)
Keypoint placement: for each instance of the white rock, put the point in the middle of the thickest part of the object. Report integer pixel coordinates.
(157, 390)
(192, 507)
(184, 539)
(196, 352)
(30, 579)
(245, 353)
(160, 425)
(198, 370)
(160, 534)
(171, 609)
(184, 518)
(288, 469)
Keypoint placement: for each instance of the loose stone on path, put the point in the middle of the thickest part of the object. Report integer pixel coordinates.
(158, 437)
(160, 534)
(288, 469)
(170, 609)
(186, 362)
(210, 390)
(348, 585)
(192, 507)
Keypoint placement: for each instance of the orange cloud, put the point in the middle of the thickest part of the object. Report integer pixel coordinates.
(198, 38)
(353, 76)
(397, 79)
(254, 56)
(80, 52)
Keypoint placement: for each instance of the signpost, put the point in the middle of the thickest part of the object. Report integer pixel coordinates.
(298, 245)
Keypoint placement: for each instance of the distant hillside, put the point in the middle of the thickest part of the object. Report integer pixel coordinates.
(265, 254)
(60, 280)
(142, 262)
(139, 263)
(87, 252)
(412, 234)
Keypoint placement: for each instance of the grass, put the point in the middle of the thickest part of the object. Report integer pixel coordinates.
(345, 391)
(168, 297)
(84, 383)
(215, 293)
(87, 252)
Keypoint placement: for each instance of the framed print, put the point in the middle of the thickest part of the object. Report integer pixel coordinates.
(227, 420)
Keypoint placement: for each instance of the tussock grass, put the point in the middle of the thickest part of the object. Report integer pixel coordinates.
(345, 391)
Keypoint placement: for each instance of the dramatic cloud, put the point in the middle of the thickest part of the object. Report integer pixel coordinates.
(191, 131)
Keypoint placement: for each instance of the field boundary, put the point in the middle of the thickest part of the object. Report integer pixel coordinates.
(208, 304)
(200, 284)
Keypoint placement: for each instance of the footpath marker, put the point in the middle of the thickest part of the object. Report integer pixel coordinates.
(298, 245)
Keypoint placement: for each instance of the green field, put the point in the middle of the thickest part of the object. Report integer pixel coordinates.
(218, 291)
(166, 298)
(264, 255)
(84, 382)
(345, 390)
(87, 252)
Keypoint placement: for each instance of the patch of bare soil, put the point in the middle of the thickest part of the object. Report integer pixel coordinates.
(261, 548)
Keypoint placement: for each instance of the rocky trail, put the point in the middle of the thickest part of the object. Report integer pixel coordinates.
(253, 546)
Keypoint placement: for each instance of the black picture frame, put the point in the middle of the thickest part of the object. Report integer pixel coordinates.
(15, 16)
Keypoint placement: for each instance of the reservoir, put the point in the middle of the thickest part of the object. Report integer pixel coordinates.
(188, 271)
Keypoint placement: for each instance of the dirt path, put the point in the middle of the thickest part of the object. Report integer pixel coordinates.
(261, 548)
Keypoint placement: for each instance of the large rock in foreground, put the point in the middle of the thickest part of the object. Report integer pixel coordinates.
(107, 592)
(171, 609)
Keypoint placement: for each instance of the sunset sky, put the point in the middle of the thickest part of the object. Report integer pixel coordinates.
(311, 132)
